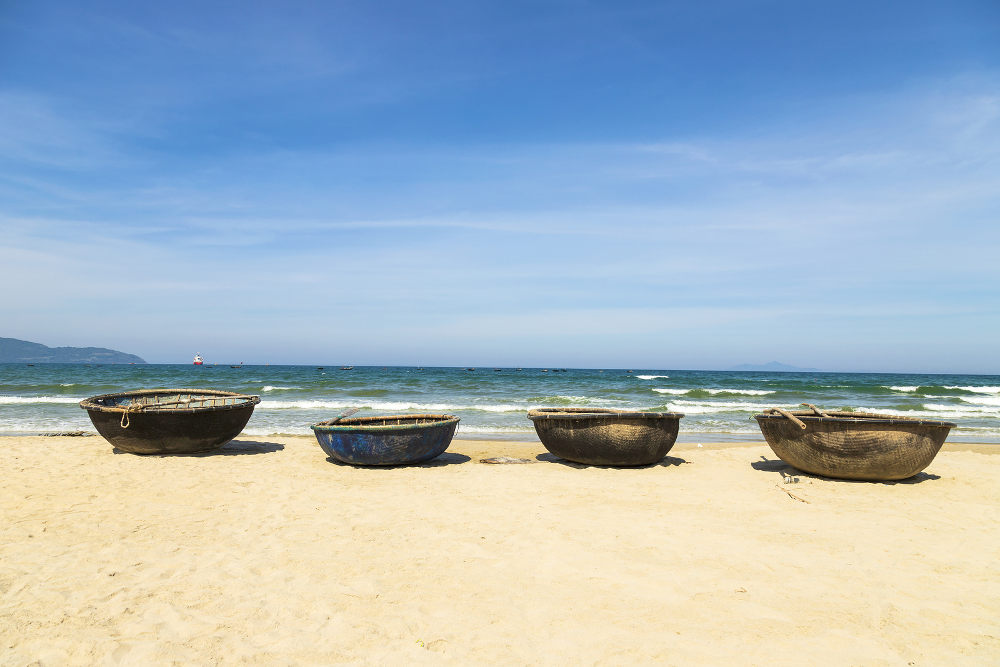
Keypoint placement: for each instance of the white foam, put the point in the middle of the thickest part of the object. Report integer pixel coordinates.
(744, 392)
(704, 407)
(982, 400)
(463, 428)
(936, 411)
(27, 400)
(580, 400)
(977, 390)
(734, 392)
(901, 388)
(491, 408)
(968, 409)
(652, 377)
(272, 388)
(385, 405)
(737, 430)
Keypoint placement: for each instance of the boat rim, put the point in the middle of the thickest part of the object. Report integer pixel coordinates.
(357, 423)
(596, 413)
(92, 404)
(859, 418)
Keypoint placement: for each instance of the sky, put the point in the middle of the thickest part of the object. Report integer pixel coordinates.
(665, 185)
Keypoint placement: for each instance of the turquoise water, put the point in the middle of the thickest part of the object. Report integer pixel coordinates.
(492, 402)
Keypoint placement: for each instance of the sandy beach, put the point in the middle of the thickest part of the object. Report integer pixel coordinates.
(268, 553)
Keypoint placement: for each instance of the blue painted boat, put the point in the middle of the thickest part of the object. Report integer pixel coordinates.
(388, 440)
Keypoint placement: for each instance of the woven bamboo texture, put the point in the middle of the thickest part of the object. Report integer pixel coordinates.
(852, 445)
(606, 437)
(168, 400)
(170, 421)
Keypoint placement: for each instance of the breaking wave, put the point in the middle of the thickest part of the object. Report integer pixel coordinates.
(27, 400)
(705, 407)
(704, 393)
(387, 405)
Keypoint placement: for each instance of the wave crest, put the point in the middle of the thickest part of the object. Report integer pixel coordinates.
(27, 400)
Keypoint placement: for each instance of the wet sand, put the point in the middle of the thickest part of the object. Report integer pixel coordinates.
(266, 552)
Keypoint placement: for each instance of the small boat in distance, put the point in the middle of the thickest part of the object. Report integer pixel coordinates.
(198, 361)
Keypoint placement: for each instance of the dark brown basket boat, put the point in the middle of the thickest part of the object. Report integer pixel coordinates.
(170, 421)
(853, 445)
(606, 437)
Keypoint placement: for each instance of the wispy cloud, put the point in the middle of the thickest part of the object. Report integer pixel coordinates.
(300, 175)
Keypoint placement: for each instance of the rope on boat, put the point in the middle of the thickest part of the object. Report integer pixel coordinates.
(186, 402)
(131, 407)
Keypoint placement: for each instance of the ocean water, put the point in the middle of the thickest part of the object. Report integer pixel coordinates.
(493, 403)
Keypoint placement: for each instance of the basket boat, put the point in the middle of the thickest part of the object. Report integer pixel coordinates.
(386, 440)
(170, 421)
(606, 437)
(853, 445)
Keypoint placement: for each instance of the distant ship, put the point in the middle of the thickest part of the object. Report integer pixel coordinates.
(198, 361)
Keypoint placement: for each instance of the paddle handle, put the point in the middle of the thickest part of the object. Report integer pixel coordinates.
(789, 415)
(346, 413)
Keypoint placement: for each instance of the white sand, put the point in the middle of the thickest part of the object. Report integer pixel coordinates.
(269, 554)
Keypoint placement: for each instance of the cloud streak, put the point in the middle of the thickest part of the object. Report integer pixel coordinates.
(864, 213)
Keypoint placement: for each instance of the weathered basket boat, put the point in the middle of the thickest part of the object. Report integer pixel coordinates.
(170, 421)
(853, 445)
(606, 437)
(386, 440)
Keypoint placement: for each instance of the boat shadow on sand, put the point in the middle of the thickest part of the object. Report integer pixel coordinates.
(445, 459)
(787, 471)
(667, 462)
(231, 448)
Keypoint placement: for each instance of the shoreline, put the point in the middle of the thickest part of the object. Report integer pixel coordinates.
(718, 406)
(684, 439)
(499, 443)
(266, 552)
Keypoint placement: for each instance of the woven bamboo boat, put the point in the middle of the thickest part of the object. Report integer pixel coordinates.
(170, 421)
(387, 440)
(606, 437)
(853, 445)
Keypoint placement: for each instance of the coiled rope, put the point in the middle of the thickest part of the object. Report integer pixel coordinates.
(131, 407)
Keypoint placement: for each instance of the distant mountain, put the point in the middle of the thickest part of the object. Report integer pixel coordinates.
(13, 351)
(774, 367)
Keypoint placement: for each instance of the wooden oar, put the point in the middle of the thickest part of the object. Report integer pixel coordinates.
(816, 410)
(788, 415)
(346, 413)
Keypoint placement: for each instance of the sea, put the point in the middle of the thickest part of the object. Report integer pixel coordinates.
(493, 402)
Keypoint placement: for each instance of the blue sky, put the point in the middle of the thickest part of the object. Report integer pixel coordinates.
(592, 184)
